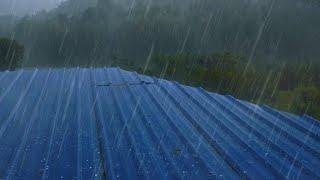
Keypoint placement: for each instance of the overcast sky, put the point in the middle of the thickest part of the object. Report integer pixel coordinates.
(23, 7)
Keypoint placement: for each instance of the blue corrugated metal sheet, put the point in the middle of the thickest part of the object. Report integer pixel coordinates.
(109, 123)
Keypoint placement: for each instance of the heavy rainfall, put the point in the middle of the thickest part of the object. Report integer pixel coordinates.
(131, 78)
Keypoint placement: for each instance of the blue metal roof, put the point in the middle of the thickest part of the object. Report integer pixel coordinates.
(110, 123)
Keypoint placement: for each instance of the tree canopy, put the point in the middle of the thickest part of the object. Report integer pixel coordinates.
(11, 54)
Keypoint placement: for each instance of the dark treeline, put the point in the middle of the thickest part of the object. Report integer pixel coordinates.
(265, 51)
(11, 54)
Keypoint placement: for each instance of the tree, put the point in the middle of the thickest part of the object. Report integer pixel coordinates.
(11, 54)
(307, 100)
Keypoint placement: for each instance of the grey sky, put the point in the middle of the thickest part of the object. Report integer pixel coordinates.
(23, 7)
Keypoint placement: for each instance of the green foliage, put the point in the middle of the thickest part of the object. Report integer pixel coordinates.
(11, 54)
(307, 100)
(208, 71)
(301, 100)
(294, 88)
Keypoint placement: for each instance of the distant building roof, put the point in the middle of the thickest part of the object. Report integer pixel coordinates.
(110, 123)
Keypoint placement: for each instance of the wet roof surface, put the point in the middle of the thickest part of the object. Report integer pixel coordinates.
(110, 123)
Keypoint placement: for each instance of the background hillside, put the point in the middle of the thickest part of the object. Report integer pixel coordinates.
(271, 30)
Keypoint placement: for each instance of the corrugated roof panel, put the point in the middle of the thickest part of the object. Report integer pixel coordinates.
(110, 123)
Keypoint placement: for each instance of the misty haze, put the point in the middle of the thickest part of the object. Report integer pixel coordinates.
(26, 7)
(159, 89)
